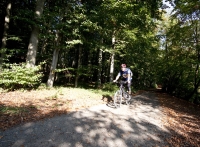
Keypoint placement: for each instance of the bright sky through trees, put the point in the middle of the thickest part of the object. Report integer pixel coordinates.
(168, 10)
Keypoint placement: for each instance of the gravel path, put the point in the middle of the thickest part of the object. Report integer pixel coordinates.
(139, 124)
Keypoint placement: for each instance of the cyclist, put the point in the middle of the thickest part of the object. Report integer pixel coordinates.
(126, 76)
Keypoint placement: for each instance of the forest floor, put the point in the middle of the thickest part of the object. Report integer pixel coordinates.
(18, 107)
(182, 118)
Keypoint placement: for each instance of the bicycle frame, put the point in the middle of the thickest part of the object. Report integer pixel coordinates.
(122, 88)
(119, 94)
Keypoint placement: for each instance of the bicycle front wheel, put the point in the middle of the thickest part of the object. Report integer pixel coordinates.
(118, 99)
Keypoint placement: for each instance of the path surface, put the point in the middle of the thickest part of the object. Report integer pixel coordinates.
(139, 124)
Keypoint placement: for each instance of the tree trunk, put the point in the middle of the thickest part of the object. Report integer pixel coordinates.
(166, 48)
(33, 42)
(79, 65)
(51, 78)
(53, 67)
(99, 68)
(112, 58)
(4, 39)
(197, 80)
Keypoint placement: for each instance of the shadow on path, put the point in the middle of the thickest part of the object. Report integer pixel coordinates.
(139, 124)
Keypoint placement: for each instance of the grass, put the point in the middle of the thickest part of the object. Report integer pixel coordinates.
(12, 110)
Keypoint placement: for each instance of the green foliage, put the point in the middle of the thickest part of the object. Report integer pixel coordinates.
(179, 61)
(91, 24)
(109, 87)
(14, 38)
(12, 110)
(16, 76)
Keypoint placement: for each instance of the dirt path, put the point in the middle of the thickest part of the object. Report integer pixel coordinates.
(139, 124)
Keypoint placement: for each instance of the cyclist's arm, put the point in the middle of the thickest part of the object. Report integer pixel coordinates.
(129, 76)
(117, 77)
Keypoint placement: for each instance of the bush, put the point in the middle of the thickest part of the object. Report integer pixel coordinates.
(14, 76)
(109, 87)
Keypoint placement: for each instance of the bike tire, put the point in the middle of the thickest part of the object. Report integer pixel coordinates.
(125, 95)
(128, 101)
(118, 99)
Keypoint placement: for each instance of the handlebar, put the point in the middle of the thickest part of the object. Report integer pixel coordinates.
(120, 82)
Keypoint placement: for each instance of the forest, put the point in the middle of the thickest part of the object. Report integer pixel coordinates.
(84, 42)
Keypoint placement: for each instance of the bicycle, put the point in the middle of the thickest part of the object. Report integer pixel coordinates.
(121, 95)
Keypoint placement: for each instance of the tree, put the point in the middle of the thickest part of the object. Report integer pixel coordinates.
(51, 78)
(5, 34)
(33, 43)
(181, 67)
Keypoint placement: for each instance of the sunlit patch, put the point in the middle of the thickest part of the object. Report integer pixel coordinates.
(79, 129)
(38, 13)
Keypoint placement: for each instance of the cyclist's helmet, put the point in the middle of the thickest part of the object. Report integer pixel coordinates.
(123, 66)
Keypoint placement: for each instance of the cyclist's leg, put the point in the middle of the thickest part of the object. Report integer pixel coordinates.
(129, 89)
(129, 93)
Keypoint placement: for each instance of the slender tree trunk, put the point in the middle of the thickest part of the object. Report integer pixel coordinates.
(4, 39)
(44, 45)
(89, 65)
(197, 80)
(112, 60)
(74, 59)
(51, 78)
(79, 65)
(99, 68)
(166, 47)
(33, 42)
(53, 67)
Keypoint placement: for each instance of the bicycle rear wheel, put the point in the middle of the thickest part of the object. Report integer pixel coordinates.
(118, 99)
(128, 100)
